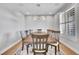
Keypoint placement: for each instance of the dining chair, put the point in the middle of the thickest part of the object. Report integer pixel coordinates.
(40, 45)
(39, 30)
(55, 41)
(30, 31)
(24, 41)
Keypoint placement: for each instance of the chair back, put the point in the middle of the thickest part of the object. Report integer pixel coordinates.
(40, 42)
(56, 35)
(39, 30)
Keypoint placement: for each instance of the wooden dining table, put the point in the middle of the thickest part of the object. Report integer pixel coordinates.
(39, 33)
(29, 38)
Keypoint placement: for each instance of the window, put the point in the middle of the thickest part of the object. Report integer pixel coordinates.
(67, 23)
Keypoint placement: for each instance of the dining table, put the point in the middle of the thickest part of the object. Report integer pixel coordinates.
(39, 33)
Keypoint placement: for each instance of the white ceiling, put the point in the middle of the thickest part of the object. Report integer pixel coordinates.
(32, 8)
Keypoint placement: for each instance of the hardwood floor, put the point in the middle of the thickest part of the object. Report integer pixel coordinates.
(13, 49)
(66, 50)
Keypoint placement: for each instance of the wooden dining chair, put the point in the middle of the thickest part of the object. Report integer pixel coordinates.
(55, 41)
(40, 45)
(39, 30)
(24, 41)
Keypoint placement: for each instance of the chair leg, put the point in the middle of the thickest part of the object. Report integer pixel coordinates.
(34, 53)
(22, 46)
(27, 48)
(44, 53)
(58, 48)
(55, 50)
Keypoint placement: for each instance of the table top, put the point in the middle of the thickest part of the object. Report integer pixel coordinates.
(39, 33)
(29, 38)
(51, 30)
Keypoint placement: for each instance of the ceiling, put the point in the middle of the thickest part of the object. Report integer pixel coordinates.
(33, 8)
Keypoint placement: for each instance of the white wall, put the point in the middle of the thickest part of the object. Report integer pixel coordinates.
(49, 22)
(8, 39)
(10, 26)
(9, 22)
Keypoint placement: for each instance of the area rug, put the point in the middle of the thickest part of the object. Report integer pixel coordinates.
(51, 51)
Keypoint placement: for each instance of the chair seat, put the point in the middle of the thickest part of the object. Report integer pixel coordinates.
(40, 51)
(54, 44)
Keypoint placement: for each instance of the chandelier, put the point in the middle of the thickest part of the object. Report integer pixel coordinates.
(39, 17)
